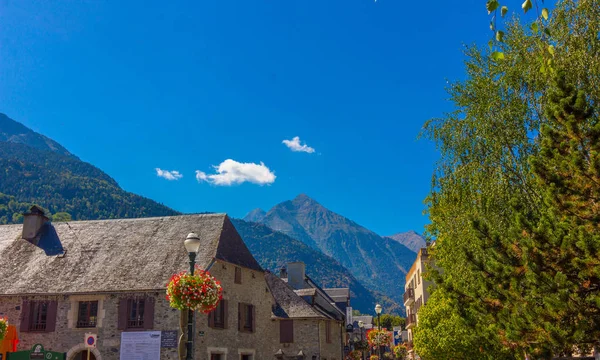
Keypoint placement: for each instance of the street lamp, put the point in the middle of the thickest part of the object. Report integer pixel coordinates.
(378, 312)
(192, 244)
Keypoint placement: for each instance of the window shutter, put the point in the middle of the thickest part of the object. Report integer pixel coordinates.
(25, 313)
(286, 331)
(122, 321)
(225, 313)
(211, 319)
(148, 313)
(240, 309)
(51, 316)
(252, 308)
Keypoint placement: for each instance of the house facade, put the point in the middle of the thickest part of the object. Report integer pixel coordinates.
(415, 293)
(111, 282)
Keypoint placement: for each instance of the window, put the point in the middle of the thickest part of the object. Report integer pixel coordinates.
(136, 313)
(245, 357)
(286, 331)
(328, 331)
(238, 275)
(87, 314)
(216, 357)
(218, 317)
(418, 277)
(246, 317)
(39, 316)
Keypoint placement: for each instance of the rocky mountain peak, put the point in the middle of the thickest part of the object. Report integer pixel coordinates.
(256, 215)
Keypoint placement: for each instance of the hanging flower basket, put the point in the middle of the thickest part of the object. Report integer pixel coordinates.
(354, 355)
(400, 351)
(198, 292)
(379, 337)
(374, 357)
(3, 327)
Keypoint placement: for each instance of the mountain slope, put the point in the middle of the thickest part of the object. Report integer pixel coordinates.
(380, 263)
(15, 132)
(48, 175)
(274, 249)
(255, 215)
(410, 239)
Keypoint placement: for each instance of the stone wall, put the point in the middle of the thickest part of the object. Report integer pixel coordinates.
(309, 335)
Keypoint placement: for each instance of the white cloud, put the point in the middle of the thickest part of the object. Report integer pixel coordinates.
(169, 175)
(294, 145)
(231, 172)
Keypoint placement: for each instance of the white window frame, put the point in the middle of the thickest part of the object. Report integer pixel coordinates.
(250, 352)
(217, 350)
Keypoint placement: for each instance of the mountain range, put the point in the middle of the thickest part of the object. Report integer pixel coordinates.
(338, 252)
(378, 262)
(411, 239)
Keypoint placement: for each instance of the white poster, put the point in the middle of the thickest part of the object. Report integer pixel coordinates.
(142, 345)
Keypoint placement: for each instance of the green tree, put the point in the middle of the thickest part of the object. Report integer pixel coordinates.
(389, 321)
(444, 333)
(61, 216)
(488, 197)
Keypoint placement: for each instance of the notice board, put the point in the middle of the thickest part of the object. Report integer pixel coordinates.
(140, 345)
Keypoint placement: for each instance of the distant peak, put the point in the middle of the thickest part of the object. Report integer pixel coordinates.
(304, 198)
(256, 215)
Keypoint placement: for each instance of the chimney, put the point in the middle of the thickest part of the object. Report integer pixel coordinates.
(283, 273)
(296, 274)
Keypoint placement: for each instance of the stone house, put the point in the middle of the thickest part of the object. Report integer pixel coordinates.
(111, 281)
(301, 307)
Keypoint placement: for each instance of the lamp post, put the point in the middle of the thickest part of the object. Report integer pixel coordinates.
(192, 244)
(361, 325)
(378, 312)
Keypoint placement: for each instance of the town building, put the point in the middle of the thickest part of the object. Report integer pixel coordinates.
(415, 293)
(111, 282)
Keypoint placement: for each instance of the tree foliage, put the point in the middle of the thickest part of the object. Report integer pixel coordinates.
(513, 202)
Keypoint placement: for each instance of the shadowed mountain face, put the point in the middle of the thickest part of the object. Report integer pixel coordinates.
(410, 239)
(38, 170)
(379, 263)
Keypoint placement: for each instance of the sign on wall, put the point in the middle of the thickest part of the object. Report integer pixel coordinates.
(37, 352)
(140, 345)
(90, 340)
(168, 338)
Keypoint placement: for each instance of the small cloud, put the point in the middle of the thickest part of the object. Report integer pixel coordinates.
(231, 172)
(169, 175)
(294, 145)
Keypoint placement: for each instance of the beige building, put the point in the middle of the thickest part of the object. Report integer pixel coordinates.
(415, 292)
(112, 280)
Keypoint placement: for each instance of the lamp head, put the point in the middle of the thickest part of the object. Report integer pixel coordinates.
(192, 243)
(378, 309)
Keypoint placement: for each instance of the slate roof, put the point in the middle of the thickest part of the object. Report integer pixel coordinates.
(116, 255)
(289, 305)
(306, 292)
(338, 294)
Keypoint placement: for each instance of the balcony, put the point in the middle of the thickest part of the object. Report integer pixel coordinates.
(411, 321)
(409, 296)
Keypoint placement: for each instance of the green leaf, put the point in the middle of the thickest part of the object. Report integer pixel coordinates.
(491, 44)
(492, 25)
(545, 13)
(499, 35)
(547, 31)
(535, 27)
(497, 55)
(491, 5)
(503, 10)
(551, 49)
(527, 5)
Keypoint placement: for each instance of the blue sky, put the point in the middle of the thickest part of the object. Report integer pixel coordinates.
(131, 86)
